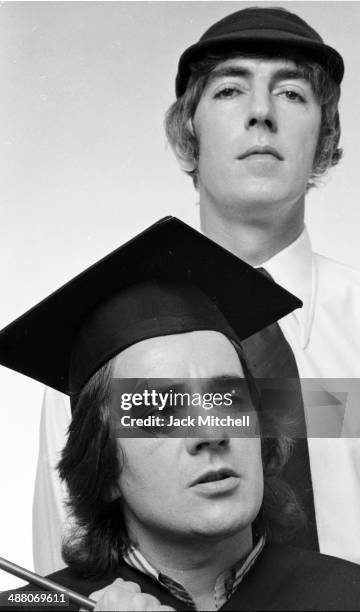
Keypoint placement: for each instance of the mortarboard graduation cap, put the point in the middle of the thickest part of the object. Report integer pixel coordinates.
(169, 279)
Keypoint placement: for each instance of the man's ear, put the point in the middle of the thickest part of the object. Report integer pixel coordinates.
(186, 164)
(113, 494)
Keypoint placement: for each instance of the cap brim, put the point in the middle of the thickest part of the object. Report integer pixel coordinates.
(261, 41)
(39, 343)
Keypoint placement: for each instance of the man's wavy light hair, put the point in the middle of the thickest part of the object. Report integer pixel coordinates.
(179, 126)
(91, 468)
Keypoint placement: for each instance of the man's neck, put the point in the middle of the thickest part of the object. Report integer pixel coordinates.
(196, 564)
(255, 240)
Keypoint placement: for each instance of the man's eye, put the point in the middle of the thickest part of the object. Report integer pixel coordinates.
(292, 95)
(227, 92)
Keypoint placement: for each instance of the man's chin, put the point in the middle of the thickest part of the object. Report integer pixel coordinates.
(262, 196)
(219, 529)
(262, 193)
(256, 202)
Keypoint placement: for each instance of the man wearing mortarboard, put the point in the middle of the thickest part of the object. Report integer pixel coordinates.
(256, 125)
(185, 520)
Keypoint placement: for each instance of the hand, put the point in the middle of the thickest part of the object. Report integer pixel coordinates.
(125, 596)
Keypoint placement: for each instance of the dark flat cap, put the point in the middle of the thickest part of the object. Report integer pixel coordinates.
(261, 29)
(169, 279)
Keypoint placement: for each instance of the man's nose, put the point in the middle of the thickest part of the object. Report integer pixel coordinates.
(212, 442)
(261, 111)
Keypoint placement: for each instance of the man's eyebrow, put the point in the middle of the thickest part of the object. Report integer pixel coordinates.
(227, 377)
(288, 73)
(174, 383)
(179, 385)
(229, 71)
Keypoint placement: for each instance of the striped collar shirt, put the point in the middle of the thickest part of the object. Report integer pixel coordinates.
(226, 583)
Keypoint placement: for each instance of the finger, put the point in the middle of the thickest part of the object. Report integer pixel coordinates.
(131, 587)
(143, 601)
(128, 585)
(97, 594)
(114, 601)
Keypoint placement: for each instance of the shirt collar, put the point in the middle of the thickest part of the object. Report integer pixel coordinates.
(293, 269)
(226, 583)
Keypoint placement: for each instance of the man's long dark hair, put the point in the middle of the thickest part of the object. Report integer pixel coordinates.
(91, 469)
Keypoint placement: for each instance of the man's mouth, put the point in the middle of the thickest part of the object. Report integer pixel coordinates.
(214, 476)
(261, 150)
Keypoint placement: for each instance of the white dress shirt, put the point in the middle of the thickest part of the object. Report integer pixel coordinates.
(325, 338)
(49, 511)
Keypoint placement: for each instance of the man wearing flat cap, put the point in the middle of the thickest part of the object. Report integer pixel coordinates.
(171, 515)
(256, 125)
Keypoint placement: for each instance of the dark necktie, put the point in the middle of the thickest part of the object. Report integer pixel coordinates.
(269, 356)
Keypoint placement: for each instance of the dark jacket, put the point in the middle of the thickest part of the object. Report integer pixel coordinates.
(282, 578)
